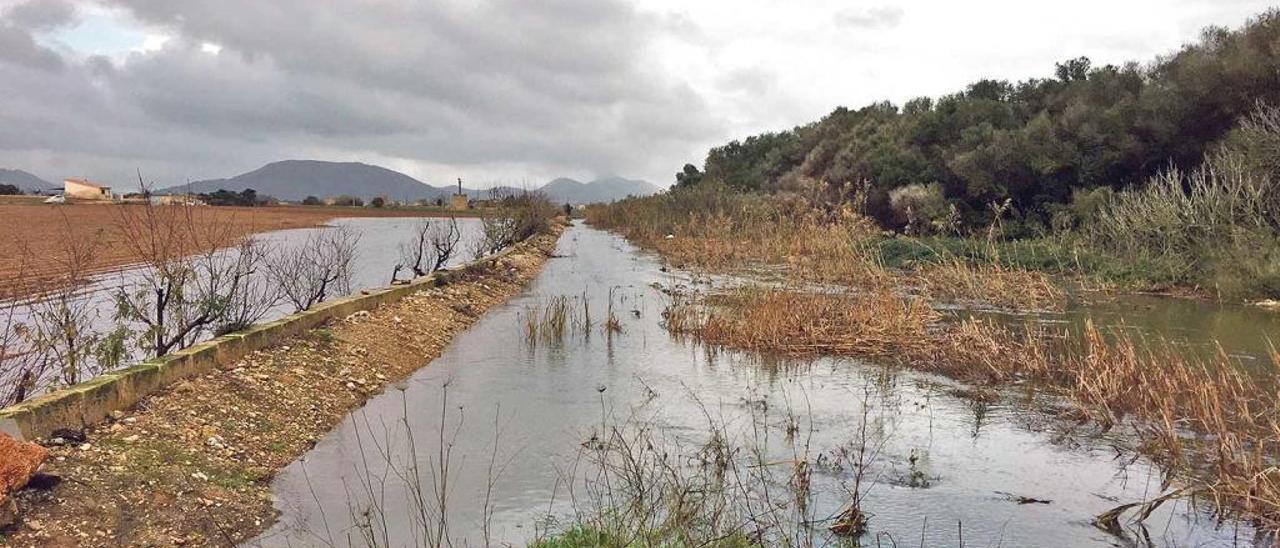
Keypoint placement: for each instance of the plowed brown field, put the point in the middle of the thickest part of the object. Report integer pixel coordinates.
(33, 237)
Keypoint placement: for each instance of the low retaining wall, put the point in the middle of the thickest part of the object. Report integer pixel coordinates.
(90, 402)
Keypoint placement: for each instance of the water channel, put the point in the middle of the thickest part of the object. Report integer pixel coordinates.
(946, 470)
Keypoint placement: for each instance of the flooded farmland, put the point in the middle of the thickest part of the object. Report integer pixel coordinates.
(378, 252)
(499, 431)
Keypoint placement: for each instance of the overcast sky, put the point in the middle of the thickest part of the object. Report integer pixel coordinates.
(506, 91)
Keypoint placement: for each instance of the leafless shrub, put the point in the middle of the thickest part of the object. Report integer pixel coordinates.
(184, 284)
(60, 322)
(316, 270)
(496, 234)
(433, 244)
(519, 218)
(19, 370)
(254, 292)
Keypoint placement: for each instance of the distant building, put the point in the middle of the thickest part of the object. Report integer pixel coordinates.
(458, 201)
(85, 190)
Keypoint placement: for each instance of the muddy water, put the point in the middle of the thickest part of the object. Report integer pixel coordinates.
(945, 468)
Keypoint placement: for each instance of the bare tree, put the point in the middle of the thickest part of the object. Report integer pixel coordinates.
(430, 247)
(253, 292)
(519, 218)
(61, 318)
(496, 234)
(319, 268)
(184, 284)
(19, 370)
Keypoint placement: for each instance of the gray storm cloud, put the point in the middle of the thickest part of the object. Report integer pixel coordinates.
(558, 86)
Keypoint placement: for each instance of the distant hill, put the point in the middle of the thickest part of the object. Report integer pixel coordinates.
(606, 189)
(23, 180)
(296, 179)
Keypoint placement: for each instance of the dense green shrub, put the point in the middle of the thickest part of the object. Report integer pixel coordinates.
(1214, 227)
(1035, 143)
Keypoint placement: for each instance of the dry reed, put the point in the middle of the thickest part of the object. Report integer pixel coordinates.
(1209, 422)
(990, 283)
(799, 323)
(813, 248)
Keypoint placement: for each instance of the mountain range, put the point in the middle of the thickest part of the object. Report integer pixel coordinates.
(294, 180)
(23, 180)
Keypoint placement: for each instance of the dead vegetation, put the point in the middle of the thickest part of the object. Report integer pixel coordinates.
(318, 269)
(990, 284)
(802, 323)
(551, 320)
(429, 248)
(1213, 425)
(723, 232)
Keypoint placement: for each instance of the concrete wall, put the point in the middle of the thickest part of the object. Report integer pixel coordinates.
(90, 402)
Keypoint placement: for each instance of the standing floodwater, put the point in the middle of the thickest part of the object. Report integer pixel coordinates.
(940, 467)
(378, 251)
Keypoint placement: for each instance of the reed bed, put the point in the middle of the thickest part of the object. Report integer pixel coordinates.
(800, 323)
(733, 232)
(1016, 289)
(1209, 422)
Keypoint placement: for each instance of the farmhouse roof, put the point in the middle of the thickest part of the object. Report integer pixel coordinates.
(85, 182)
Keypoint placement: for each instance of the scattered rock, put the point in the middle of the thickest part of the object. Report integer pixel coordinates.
(116, 415)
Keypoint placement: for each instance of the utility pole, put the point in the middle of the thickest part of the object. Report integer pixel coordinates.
(459, 186)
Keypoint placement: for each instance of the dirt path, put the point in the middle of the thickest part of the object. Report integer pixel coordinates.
(32, 237)
(192, 465)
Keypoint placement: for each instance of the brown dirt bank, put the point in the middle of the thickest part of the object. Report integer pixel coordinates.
(34, 233)
(191, 466)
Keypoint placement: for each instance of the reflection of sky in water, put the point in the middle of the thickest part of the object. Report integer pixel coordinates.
(1244, 332)
(377, 254)
(547, 404)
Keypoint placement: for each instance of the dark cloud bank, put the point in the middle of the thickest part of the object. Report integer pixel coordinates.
(559, 85)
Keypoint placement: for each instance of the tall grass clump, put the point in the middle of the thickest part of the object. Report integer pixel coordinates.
(710, 226)
(1216, 227)
(802, 323)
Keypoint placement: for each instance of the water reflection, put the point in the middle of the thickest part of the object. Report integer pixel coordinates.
(376, 257)
(948, 464)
